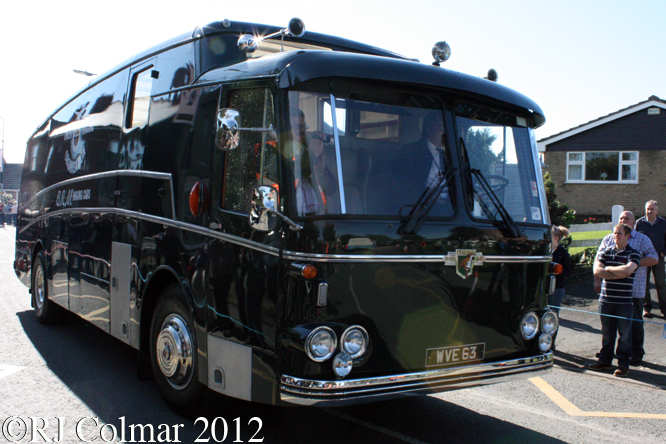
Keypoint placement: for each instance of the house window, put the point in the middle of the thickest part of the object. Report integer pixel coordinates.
(603, 166)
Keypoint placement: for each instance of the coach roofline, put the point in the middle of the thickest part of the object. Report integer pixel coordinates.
(296, 67)
(235, 27)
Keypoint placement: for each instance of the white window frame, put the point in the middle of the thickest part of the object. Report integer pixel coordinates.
(621, 163)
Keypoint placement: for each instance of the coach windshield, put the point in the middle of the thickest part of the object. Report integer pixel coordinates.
(368, 151)
(500, 151)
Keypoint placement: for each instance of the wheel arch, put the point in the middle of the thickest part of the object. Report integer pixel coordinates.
(157, 283)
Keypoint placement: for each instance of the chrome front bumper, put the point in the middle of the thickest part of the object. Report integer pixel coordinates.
(352, 391)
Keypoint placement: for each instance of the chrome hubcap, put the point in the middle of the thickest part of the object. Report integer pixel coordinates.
(39, 287)
(175, 352)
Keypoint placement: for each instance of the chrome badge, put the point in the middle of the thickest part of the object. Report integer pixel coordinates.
(465, 262)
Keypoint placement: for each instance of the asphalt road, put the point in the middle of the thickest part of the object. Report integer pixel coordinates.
(83, 382)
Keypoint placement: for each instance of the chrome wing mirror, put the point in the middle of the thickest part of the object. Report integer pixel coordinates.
(227, 136)
(263, 210)
(228, 122)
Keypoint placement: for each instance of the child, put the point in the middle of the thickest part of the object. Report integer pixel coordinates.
(561, 256)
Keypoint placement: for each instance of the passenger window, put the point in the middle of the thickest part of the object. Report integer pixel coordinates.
(141, 87)
(255, 161)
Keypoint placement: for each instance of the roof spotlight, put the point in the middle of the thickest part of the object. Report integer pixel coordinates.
(492, 75)
(296, 27)
(441, 52)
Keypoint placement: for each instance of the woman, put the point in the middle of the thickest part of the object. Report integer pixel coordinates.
(561, 256)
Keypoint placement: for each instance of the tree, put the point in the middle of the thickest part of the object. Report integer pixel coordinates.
(478, 143)
(560, 214)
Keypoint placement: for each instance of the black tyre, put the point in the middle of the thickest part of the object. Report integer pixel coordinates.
(173, 352)
(46, 310)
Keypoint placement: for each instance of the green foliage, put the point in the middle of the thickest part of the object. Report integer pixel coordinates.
(569, 218)
(566, 241)
(478, 143)
(559, 212)
(589, 256)
(584, 258)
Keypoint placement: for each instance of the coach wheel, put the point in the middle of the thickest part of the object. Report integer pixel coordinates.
(173, 354)
(47, 311)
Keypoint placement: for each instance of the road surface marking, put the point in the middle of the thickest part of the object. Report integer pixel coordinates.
(6, 370)
(572, 410)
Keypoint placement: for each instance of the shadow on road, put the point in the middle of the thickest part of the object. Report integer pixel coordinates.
(101, 372)
(579, 326)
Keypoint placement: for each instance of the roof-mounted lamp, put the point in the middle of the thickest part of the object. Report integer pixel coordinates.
(249, 43)
(492, 75)
(441, 52)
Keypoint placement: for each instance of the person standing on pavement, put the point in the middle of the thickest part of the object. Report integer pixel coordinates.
(643, 245)
(616, 266)
(654, 227)
(561, 256)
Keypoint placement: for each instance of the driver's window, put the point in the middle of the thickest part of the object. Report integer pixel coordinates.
(491, 148)
(255, 161)
(499, 152)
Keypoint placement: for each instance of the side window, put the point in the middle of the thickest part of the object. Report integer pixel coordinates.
(255, 161)
(85, 133)
(133, 147)
(176, 69)
(142, 84)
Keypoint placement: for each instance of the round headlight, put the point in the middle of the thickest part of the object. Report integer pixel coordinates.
(354, 341)
(545, 342)
(549, 322)
(530, 325)
(321, 344)
(342, 364)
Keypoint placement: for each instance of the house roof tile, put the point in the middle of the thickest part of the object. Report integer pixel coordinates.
(603, 119)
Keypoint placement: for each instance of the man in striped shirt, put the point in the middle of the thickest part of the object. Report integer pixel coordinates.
(616, 266)
(642, 244)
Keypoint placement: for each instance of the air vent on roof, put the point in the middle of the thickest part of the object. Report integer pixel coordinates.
(653, 111)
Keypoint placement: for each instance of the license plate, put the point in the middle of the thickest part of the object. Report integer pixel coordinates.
(455, 355)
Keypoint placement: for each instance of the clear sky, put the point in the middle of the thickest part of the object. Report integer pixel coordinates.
(579, 60)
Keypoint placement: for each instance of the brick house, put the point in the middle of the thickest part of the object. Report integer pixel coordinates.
(618, 159)
(11, 178)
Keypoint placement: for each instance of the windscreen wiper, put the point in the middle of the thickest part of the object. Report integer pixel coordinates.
(501, 209)
(506, 217)
(425, 203)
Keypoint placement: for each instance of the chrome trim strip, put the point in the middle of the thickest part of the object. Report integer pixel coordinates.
(309, 392)
(515, 259)
(162, 221)
(293, 255)
(115, 173)
(289, 255)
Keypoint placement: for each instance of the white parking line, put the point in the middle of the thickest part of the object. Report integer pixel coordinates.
(6, 370)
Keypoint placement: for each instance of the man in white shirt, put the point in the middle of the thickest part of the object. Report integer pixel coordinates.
(419, 165)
